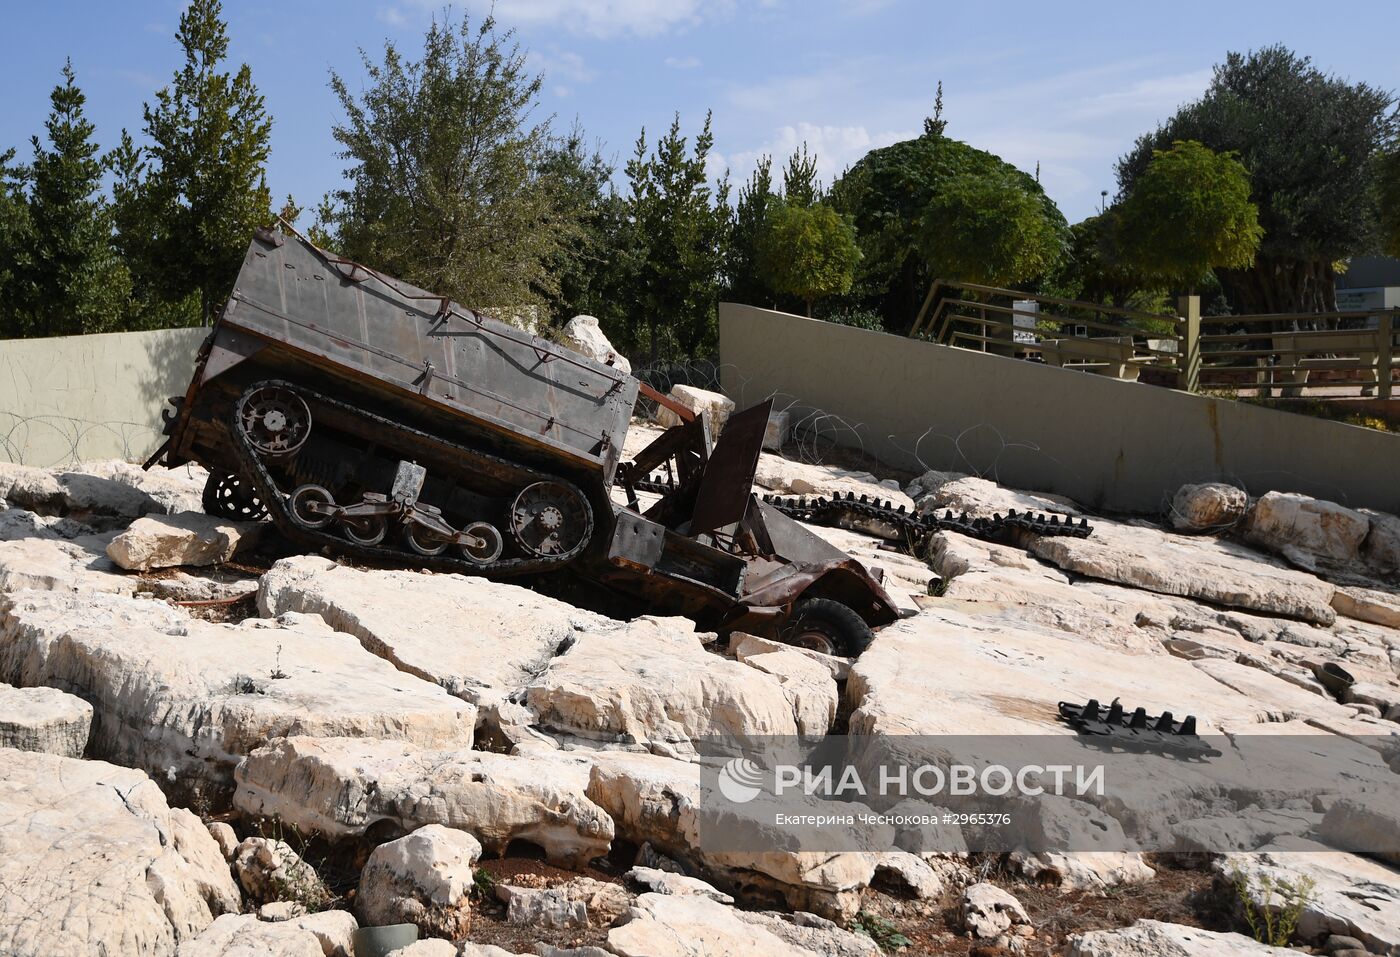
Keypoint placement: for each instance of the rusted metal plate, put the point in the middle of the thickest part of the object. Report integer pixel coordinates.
(724, 492)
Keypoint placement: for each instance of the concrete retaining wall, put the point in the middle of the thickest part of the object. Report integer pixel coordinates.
(1119, 446)
(72, 398)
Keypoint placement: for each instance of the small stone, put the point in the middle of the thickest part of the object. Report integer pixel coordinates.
(697, 401)
(44, 719)
(281, 910)
(582, 334)
(189, 538)
(425, 879)
(225, 837)
(545, 908)
(1210, 507)
(989, 912)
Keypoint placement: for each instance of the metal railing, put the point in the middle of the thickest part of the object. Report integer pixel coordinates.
(1324, 356)
(1280, 352)
(1116, 340)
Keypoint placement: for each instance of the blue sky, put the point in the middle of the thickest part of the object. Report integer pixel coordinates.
(1065, 85)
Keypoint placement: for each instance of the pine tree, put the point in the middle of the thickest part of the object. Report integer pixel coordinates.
(188, 204)
(71, 281)
(800, 186)
(14, 246)
(751, 211)
(676, 244)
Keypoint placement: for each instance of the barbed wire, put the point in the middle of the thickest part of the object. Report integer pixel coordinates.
(50, 441)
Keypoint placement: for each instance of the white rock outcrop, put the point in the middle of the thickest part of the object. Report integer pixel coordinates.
(480, 640)
(270, 871)
(1306, 530)
(1207, 569)
(696, 400)
(424, 878)
(185, 538)
(653, 683)
(44, 719)
(340, 787)
(244, 935)
(93, 860)
(1208, 507)
(185, 699)
(666, 925)
(582, 334)
(1153, 938)
(79, 565)
(104, 488)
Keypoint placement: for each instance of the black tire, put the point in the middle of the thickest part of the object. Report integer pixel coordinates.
(232, 497)
(840, 625)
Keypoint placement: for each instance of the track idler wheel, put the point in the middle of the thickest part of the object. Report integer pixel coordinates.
(368, 530)
(551, 519)
(232, 497)
(311, 506)
(423, 540)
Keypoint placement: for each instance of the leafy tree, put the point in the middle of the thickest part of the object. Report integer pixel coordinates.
(451, 186)
(14, 246)
(582, 179)
(756, 200)
(1390, 203)
(1188, 213)
(188, 203)
(1093, 268)
(809, 252)
(70, 279)
(989, 228)
(887, 194)
(1310, 143)
(674, 245)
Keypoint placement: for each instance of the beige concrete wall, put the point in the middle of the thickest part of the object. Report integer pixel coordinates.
(1121, 446)
(72, 398)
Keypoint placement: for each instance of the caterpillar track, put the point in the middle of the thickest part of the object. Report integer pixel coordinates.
(895, 523)
(277, 500)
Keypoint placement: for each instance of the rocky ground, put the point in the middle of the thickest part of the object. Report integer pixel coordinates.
(210, 745)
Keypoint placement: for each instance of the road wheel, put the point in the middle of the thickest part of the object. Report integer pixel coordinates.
(827, 626)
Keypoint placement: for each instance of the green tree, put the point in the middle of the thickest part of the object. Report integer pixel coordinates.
(674, 245)
(582, 180)
(448, 177)
(14, 246)
(1310, 143)
(756, 200)
(990, 228)
(188, 203)
(888, 193)
(1390, 203)
(800, 186)
(71, 280)
(809, 252)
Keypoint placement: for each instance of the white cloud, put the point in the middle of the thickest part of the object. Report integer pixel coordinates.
(596, 18)
(682, 62)
(558, 64)
(834, 147)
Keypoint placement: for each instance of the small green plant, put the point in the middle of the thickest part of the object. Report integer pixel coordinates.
(881, 930)
(1271, 923)
(484, 885)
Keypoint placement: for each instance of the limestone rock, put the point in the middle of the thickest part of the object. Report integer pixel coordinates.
(18, 523)
(186, 699)
(335, 929)
(743, 647)
(980, 498)
(341, 786)
(777, 474)
(1152, 938)
(186, 538)
(552, 908)
(775, 433)
(664, 925)
(930, 482)
(581, 334)
(244, 935)
(807, 684)
(1381, 549)
(224, 836)
(666, 882)
(653, 683)
(107, 488)
(270, 870)
(988, 912)
(80, 565)
(1305, 529)
(1350, 895)
(214, 584)
(1206, 569)
(1367, 828)
(697, 401)
(809, 933)
(423, 878)
(1209, 507)
(93, 860)
(1368, 604)
(436, 947)
(44, 719)
(478, 639)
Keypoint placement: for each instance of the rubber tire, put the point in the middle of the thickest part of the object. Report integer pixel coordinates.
(847, 630)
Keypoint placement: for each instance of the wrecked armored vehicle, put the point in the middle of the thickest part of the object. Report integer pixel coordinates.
(392, 425)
